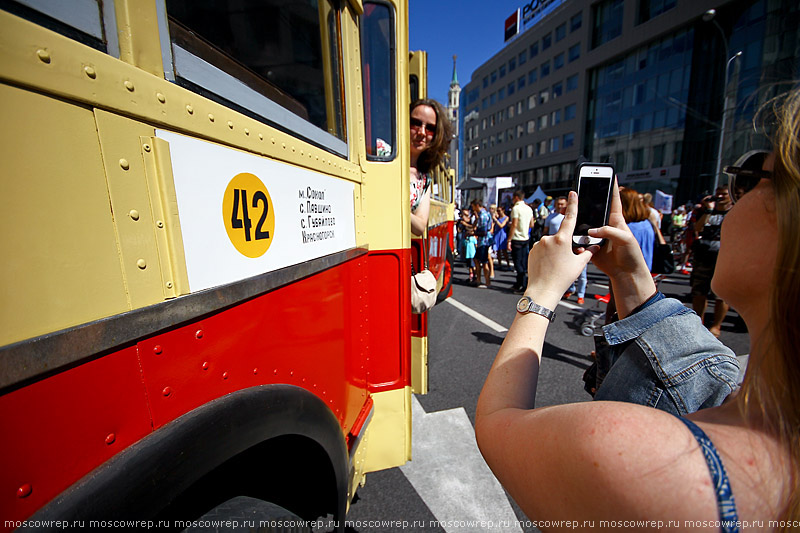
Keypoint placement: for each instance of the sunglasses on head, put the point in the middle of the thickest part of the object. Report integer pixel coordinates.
(417, 124)
(741, 179)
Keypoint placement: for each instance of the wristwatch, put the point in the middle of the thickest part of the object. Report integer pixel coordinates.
(527, 305)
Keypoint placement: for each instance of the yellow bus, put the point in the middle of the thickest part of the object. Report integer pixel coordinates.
(206, 241)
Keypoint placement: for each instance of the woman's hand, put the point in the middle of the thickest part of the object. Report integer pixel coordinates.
(553, 264)
(622, 260)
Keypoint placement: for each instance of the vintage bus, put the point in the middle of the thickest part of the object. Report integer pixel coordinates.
(207, 255)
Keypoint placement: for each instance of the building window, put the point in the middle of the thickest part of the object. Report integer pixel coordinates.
(561, 31)
(544, 96)
(531, 126)
(501, 94)
(485, 81)
(521, 82)
(574, 52)
(544, 69)
(493, 76)
(576, 21)
(541, 148)
(533, 76)
(637, 159)
(510, 111)
(569, 140)
(492, 98)
(570, 112)
(556, 117)
(555, 144)
(532, 101)
(534, 50)
(529, 150)
(510, 134)
(648, 9)
(502, 71)
(607, 17)
(547, 40)
(523, 56)
(519, 154)
(572, 83)
(558, 61)
(520, 130)
(557, 90)
(542, 122)
(519, 107)
(511, 88)
(512, 64)
(658, 155)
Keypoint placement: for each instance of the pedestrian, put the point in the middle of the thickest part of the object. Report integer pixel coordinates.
(470, 243)
(521, 216)
(492, 250)
(637, 217)
(705, 250)
(723, 465)
(483, 234)
(501, 237)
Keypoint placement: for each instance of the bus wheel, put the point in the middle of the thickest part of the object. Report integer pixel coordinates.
(448, 274)
(243, 512)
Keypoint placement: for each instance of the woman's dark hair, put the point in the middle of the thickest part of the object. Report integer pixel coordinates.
(434, 154)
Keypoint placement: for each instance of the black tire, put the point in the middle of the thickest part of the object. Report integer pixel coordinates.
(442, 296)
(243, 513)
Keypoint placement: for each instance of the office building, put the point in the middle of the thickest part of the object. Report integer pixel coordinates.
(641, 81)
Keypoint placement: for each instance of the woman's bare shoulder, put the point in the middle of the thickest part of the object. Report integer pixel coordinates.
(602, 459)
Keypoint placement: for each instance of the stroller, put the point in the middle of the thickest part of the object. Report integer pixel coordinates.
(588, 320)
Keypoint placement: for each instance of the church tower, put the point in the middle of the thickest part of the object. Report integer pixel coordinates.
(453, 99)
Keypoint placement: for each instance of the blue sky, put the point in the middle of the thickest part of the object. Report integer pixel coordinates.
(470, 29)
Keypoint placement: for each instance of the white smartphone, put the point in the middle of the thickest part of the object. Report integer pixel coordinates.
(594, 201)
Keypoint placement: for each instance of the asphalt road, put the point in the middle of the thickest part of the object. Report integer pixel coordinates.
(447, 480)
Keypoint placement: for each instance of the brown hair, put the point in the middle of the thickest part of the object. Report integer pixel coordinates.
(771, 384)
(433, 156)
(633, 208)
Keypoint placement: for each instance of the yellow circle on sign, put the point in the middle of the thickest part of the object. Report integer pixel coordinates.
(248, 215)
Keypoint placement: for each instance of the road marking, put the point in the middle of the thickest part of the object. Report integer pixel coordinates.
(450, 475)
(570, 305)
(476, 315)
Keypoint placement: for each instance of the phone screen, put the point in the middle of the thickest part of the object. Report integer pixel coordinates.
(593, 194)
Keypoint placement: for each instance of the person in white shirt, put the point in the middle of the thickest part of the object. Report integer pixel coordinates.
(521, 216)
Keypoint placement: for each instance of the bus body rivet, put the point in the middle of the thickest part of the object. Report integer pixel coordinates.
(129, 85)
(224, 375)
(189, 109)
(255, 371)
(134, 214)
(205, 365)
(146, 147)
(123, 163)
(160, 224)
(275, 371)
(167, 391)
(246, 131)
(211, 117)
(110, 438)
(91, 72)
(199, 334)
(161, 98)
(141, 263)
(44, 55)
(230, 124)
(169, 284)
(157, 349)
(24, 491)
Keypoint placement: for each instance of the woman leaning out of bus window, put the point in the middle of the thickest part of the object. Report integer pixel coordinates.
(712, 469)
(430, 138)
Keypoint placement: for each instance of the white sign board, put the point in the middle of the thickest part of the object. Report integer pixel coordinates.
(243, 215)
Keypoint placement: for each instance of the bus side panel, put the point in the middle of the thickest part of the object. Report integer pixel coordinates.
(389, 314)
(60, 428)
(295, 335)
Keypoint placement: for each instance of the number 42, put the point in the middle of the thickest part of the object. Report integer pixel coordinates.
(243, 221)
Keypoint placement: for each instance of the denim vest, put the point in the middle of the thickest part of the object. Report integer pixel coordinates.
(663, 357)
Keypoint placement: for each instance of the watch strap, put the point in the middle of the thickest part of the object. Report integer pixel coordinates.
(533, 307)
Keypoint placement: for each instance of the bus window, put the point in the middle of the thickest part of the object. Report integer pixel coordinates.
(377, 57)
(276, 59)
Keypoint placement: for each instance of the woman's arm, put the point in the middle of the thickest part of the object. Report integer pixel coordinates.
(419, 218)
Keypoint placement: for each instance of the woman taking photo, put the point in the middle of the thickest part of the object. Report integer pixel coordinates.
(430, 137)
(610, 460)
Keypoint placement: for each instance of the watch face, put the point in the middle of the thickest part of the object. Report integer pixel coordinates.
(523, 304)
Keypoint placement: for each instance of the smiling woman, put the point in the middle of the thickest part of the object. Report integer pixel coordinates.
(430, 137)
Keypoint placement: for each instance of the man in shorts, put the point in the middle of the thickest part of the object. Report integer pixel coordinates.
(483, 232)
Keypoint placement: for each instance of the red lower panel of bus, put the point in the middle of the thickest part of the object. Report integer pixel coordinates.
(339, 334)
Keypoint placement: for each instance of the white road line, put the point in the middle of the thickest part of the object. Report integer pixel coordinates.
(450, 475)
(476, 315)
(569, 305)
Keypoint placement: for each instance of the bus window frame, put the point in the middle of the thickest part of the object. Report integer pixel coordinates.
(190, 71)
(91, 22)
(392, 37)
